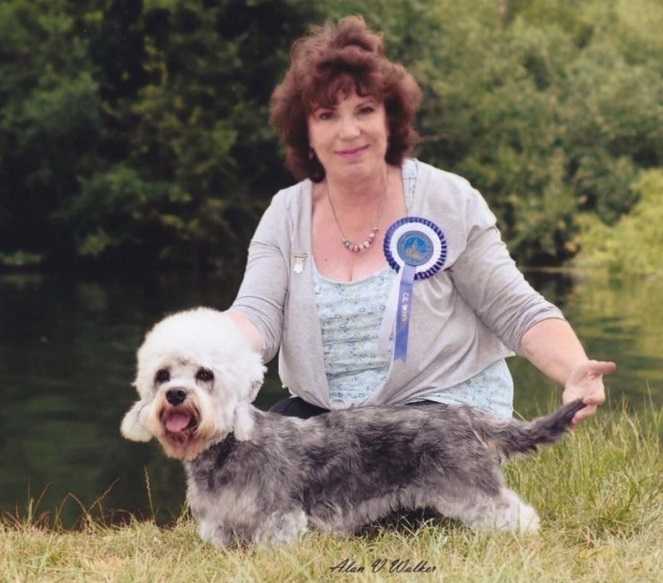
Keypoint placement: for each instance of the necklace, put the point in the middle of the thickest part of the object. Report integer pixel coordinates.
(366, 243)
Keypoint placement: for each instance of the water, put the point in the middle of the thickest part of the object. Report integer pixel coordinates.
(67, 350)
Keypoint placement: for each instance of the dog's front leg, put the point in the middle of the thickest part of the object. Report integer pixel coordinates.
(215, 534)
(282, 527)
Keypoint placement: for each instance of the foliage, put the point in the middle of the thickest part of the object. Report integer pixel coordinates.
(633, 245)
(139, 129)
(48, 113)
(194, 147)
(20, 259)
(541, 115)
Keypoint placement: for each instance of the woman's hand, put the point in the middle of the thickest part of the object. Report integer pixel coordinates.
(553, 347)
(586, 382)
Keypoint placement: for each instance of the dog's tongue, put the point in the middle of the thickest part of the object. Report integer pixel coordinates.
(177, 422)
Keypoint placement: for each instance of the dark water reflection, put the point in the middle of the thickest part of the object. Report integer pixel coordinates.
(67, 355)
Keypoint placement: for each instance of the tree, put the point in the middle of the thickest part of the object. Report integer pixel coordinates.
(199, 150)
(49, 121)
(148, 123)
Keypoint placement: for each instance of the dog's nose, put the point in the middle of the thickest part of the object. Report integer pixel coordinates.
(175, 396)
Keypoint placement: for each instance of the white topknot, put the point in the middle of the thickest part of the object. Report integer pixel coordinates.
(207, 337)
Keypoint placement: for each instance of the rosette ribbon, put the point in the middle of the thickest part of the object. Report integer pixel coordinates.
(416, 248)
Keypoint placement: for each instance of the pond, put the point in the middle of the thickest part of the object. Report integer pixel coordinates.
(67, 349)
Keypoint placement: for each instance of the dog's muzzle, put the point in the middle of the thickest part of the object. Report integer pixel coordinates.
(179, 417)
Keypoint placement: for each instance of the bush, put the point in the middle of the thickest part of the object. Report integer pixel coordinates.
(635, 243)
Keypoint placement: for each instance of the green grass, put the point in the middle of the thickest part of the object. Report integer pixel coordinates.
(599, 493)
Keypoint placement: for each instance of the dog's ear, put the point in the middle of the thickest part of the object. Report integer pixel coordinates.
(243, 423)
(256, 377)
(132, 428)
(245, 374)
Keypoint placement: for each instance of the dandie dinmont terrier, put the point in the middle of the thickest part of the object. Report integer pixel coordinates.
(260, 477)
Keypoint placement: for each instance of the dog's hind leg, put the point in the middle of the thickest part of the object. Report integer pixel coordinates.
(505, 511)
(509, 512)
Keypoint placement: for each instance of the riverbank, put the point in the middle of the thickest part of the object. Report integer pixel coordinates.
(599, 493)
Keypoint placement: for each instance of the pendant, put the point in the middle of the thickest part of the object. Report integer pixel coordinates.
(358, 247)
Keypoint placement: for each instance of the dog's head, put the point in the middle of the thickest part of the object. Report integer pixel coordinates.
(196, 378)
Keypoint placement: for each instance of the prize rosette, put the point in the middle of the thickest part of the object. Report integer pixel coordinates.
(417, 249)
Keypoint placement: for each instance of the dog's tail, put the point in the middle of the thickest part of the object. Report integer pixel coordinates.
(517, 437)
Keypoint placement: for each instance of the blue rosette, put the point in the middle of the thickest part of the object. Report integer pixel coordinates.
(416, 248)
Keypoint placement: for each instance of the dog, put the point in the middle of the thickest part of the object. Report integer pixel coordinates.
(257, 477)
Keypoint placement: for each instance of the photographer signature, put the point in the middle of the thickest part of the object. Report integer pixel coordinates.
(393, 566)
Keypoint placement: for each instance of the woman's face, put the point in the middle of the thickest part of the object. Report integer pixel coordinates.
(351, 138)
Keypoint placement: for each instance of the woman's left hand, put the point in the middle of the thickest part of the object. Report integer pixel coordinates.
(586, 382)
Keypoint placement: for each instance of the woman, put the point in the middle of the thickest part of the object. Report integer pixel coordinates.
(317, 284)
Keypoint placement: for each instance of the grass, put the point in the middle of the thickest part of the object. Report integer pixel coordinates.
(599, 493)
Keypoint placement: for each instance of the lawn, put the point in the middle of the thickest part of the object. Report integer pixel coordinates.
(599, 493)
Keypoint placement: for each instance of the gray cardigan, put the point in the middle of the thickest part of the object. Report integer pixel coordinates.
(465, 318)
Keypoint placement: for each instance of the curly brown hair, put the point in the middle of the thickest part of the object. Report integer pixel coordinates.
(336, 59)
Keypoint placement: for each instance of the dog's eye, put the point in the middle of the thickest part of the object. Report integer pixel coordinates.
(205, 375)
(162, 376)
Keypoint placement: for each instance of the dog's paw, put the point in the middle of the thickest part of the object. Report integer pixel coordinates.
(528, 520)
